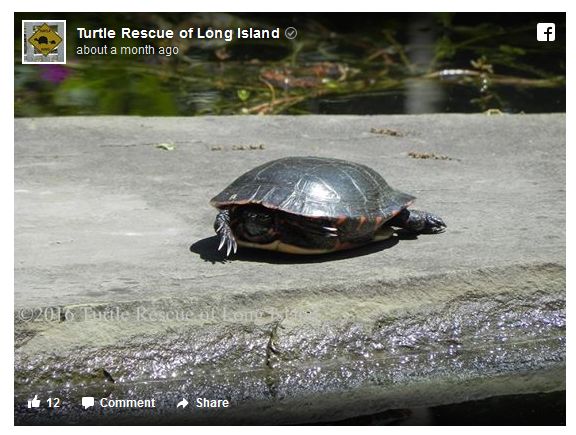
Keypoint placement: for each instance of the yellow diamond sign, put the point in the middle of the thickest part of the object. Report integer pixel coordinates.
(45, 40)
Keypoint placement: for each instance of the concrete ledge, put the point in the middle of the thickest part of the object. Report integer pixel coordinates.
(120, 291)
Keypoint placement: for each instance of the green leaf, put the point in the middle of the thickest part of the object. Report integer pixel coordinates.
(166, 146)
(508, 49)
(243, 94)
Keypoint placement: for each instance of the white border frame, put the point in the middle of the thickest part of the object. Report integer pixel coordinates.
(61, 47)
(7, 185)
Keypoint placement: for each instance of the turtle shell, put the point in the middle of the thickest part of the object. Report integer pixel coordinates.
(316, 187)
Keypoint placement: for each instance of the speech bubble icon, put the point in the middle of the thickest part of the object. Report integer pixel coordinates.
(87, 402)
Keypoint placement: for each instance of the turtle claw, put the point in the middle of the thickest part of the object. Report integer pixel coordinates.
(222, 240)
(222, 228)
(230, 246)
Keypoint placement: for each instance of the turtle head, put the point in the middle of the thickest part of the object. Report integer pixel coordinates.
(255, 224)
(252, 223)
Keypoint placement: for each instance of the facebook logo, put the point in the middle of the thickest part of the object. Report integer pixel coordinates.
(546, 32)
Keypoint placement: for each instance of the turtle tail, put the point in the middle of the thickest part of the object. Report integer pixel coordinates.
(222, 228)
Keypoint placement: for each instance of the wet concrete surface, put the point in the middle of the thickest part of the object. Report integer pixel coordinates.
(120, 291)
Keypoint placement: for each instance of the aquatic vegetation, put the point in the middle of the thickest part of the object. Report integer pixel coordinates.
(392, 63)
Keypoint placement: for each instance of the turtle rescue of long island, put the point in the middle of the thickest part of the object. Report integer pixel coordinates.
(314, 205)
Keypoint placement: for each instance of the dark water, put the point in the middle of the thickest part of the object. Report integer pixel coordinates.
(353, 63)
(544, 409)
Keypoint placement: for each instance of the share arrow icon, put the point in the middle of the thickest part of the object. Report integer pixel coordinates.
(183, 403)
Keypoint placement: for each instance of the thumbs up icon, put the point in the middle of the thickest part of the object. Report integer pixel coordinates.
(34, 403)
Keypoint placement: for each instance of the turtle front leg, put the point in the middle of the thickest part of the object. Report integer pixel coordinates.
(418, 221)
(222, 228)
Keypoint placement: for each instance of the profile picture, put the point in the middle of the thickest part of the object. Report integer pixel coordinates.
(43, 41)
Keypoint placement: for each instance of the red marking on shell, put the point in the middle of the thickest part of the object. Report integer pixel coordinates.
(337, 245)
(341, 246)
(361, 221)
(341, 219)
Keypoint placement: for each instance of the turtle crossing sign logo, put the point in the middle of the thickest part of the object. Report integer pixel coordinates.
(43, 41)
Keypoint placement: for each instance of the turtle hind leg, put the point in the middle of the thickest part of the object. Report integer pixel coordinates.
(222, 228)
(385, 232)
(314, 234)
(418, 221)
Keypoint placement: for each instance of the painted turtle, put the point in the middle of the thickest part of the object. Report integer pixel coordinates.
(313, 205)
